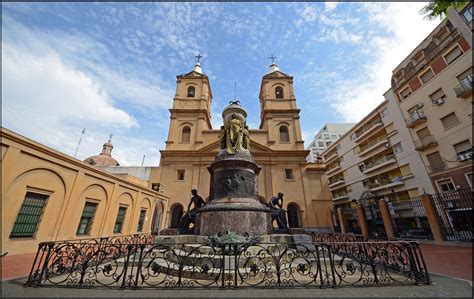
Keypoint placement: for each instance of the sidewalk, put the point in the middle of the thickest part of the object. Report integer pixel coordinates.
(14, 266)
(442, 287)
(453, 261)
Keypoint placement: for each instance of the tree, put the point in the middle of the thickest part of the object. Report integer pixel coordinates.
(439, 8)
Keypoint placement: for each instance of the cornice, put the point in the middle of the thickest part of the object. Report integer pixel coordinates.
(36, 146)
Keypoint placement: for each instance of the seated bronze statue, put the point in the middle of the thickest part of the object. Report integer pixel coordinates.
(190, 216)
(278, 213)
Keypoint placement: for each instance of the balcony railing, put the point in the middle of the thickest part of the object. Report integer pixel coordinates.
(464, 155)
(340, 196)
(335, 182)
(372, 144)
(464, 89)
(429, 53)
(334, 168)
(330, 156)
(373, 165)
(415, 118)
(367, 129)
(383, 183)
(425, 142)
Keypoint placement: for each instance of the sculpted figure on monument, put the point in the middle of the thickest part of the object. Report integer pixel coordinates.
(234, 134)
(190, 216)
(246, 139)
(278, 213)
(222, 138)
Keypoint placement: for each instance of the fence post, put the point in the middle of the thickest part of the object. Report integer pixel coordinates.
(331, 220)
(387, 220)
(432, 218)
(342, 221)
(362, 221)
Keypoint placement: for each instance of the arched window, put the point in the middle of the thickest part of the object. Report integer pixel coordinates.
(176, 214)
(191, 91)
(279, 92)
(155, 223)
(186, 134)
(293, 215)
(284, 135)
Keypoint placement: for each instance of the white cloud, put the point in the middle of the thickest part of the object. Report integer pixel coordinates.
(338, 35)
(357, 95)
(330, 6)
(309, 13)
(54, 84)
(44, 85)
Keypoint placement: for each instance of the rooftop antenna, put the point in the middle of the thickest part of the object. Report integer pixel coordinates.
(79, 143)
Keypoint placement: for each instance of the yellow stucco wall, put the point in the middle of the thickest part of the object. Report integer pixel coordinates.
(30, 166)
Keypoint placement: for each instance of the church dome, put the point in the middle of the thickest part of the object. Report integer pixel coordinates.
(104, 158)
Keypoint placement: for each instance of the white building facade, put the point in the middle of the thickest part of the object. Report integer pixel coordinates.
(325, 137)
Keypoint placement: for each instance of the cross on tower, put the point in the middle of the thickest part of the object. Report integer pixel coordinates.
(110, 137)
(198, 57)
(272, 58)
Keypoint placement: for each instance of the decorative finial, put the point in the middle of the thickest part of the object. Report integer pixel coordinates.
(272, 58)
(110, 137)
(198, 57)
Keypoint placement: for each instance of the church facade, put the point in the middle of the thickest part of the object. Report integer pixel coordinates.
(277, 146)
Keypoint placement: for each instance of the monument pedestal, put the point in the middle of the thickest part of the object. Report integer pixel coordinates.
(233, 202)
(240, 215)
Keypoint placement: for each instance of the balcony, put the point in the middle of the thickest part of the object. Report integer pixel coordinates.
(415, 118)
(371, 128)
(377, 164)
(384, 183)
(425, 142)
(333, 169)
(373, 144)
(336, 182)
(464, 89)
(464, 155)
(431, 51)
(340, 196)
(331, 157)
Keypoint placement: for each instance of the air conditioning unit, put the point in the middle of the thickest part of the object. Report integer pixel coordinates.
(462, 157)
(438, 102)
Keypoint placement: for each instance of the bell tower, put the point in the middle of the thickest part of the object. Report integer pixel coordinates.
(279, 115)
(191, 112)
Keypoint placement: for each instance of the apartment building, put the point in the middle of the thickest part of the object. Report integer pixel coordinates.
(327, 135)
(376, 157)
(433, 87)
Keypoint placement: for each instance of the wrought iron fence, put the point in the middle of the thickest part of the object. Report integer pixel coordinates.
(375, 226)
(351, 220)
(409, 219)
(454, 211)
(161, 265)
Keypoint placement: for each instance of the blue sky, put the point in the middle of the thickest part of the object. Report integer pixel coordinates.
(111, 67)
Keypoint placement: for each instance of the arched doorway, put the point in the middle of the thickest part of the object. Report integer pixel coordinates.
(293, 215)
(176, 212)
(156, 220)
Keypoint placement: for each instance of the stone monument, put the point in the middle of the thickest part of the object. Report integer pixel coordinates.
(233, 204)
